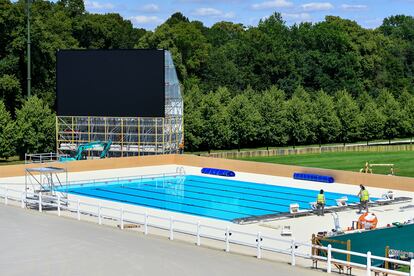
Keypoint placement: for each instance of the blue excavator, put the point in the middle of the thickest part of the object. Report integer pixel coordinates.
(78, 155)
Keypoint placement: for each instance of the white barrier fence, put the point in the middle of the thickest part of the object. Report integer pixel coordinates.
(257, 241)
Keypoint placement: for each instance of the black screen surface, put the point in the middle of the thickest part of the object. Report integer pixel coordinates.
(112, 83)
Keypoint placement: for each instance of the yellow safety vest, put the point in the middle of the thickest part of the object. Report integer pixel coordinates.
(321, 198)
(364, 195)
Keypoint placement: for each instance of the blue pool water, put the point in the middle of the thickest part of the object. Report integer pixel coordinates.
(206, 196)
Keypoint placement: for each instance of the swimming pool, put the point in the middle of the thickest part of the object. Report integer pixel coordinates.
(205, 196)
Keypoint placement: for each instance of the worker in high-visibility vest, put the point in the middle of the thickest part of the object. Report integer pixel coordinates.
(320, 203)
(363, 199)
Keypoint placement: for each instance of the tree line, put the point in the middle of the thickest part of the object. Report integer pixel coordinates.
(232, 68)
(223, 120)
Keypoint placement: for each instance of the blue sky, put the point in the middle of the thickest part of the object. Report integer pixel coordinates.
(150, 13)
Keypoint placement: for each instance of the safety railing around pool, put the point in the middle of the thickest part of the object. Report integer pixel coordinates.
(121, 179)
(261, 243)
(111, 180)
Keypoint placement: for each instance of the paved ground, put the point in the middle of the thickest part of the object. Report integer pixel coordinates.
(40, 244)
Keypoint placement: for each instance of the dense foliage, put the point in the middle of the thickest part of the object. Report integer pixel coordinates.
(265, 85)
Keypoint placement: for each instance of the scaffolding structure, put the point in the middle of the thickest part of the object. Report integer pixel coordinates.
(130, 136)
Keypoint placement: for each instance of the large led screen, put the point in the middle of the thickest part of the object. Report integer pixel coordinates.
(110, 83)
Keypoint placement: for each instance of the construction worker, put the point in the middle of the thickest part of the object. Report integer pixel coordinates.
(363, 199)
(320, 203)
(181, 148)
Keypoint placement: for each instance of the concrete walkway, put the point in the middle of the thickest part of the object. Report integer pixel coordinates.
(40, 244)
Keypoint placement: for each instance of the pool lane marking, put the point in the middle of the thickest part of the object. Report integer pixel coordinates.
(273, 191)
(179, 203)
(193, 198)
(254, 194)
(152, 206)
(225, 196)
(207, 200)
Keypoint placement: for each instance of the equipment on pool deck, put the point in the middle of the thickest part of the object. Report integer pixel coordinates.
(368, 221)
(219, 172)
(45, 180)
(286, 231)
(376, 241)
(93, 145)
(294, 208)
(388, 196)
(342, 202)
(368, 167)
(313, 177)
(338, 228)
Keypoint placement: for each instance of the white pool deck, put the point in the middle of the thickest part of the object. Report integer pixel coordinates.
(302, 227)
(45, 245)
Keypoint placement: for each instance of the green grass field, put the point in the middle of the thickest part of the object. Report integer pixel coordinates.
(11, 161)
(350, 161)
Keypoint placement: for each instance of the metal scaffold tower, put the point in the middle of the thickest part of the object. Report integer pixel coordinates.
(130, 136)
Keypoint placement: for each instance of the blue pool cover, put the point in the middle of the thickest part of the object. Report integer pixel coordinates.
(219, 172)
(217, 198)
(314, 177)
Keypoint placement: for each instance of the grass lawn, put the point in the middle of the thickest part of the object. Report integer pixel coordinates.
(11, 161)
(350, 161)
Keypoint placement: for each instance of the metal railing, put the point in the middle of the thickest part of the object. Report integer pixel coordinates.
(111, 180)
(121, 179)
(42, 157)
(261, 243)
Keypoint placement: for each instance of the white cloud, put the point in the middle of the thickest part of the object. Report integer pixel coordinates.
(347, 7)
(229, 15)
(150, 8)
(317, 6)
(94, 5)
(143, 19)
(207, 12)
(272, 4)
(297, 17)
(212, 12)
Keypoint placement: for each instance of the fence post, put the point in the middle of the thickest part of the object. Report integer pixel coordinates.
(171, 228)
(227, 238)
(122, 218)
(78, 208)
(293, 260)
(58, 204)
(259, 245)
(198, 233)
(146, 223)
(412, 267)
(99, 214)
(40, 201)
(369, 263)
(6, 196)
(329, 259)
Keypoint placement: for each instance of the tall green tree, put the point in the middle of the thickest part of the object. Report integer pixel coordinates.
(272, 109)
(407, 104)
(192, 119)
(372, 122)
(10, 91)
(393, 114)
(7, 133)
(298, 120)
(349, 116)
(326, 122)
(243, 119)
(35, 123)
(214, 128)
